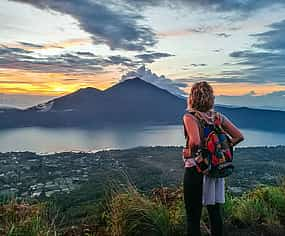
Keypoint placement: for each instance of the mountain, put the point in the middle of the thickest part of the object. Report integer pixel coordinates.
(79, 100)
(132, 101)
(8, 108)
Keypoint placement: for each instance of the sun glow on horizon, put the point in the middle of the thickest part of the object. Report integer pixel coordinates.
(58, 84)
(50, 84)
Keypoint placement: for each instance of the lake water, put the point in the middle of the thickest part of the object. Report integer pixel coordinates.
(73, 139)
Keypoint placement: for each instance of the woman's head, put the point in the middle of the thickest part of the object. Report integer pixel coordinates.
(201, 97)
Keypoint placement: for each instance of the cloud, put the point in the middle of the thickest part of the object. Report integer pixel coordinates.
(31, 45)
(71, 79)
(72, 62)
(4, 50)
(17, 58)
(120, 60)
(241, 6)
(205, 29)
(107, 23)
(86, 54)
(160, 81)
(50, 45)
(218, 50)
(151, 57)
(14, 82)
(264, 63)
(190, 67)
(224, 35)
(119, 23)
(196, 65)
(272, 39)
(216, 79)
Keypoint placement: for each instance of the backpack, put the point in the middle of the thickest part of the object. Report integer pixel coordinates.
(215, 155)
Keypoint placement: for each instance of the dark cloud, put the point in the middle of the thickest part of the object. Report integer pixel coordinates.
(201, 29)
(87, 54)
(272, 39)
(6, 51)
(71, 79)
(197, 65)
(231, 73)
(17, 58)
(217, 50)
(75, 62)
(105, 22)
(120, 60)
(264, 63)
(151, 57)
(224, 35)
(116, 23)
(190, 67)
(218, 79)
(245, 6)
(32, 45)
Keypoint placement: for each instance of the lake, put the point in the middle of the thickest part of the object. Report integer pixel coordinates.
(75, 139)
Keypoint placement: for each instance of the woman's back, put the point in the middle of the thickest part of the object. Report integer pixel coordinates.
(193, 130)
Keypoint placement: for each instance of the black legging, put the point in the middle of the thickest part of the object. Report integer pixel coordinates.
(193, 182)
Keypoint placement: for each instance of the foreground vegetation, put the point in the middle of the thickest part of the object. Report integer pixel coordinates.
(127, 212)
(88, 194)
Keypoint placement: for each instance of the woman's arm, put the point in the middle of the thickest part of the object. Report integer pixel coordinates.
(192, 131)
(232, 130)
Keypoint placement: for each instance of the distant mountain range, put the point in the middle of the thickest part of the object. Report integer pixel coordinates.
(7, 108)
(132, 101)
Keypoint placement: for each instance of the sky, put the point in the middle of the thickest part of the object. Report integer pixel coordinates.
(49, 48)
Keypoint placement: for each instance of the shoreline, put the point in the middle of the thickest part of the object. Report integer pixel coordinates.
(128, 149)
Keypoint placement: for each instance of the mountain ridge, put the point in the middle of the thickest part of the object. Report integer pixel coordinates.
(132, 101)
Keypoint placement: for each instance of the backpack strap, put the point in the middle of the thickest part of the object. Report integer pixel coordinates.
(218, 116)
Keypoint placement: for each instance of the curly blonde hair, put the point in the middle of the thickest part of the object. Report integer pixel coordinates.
(201, 97)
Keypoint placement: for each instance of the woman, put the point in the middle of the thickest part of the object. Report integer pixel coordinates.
(202, 190)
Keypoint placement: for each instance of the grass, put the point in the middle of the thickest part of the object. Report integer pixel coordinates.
(131, 213)
(263, 205)
(22, 219)
(254, 213)
(128, 212)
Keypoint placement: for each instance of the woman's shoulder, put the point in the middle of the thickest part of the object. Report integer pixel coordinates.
(190, 114)
(189, 117)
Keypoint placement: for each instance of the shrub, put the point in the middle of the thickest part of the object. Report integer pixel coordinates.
(273, 197)
(130, 213)
(253, 211)
(17, 219)
(229, 207)
(262, 205)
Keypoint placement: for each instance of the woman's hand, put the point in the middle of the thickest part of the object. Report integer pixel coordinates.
(236, 140)
(233, 131)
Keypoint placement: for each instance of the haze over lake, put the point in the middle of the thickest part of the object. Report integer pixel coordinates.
(72, 139)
